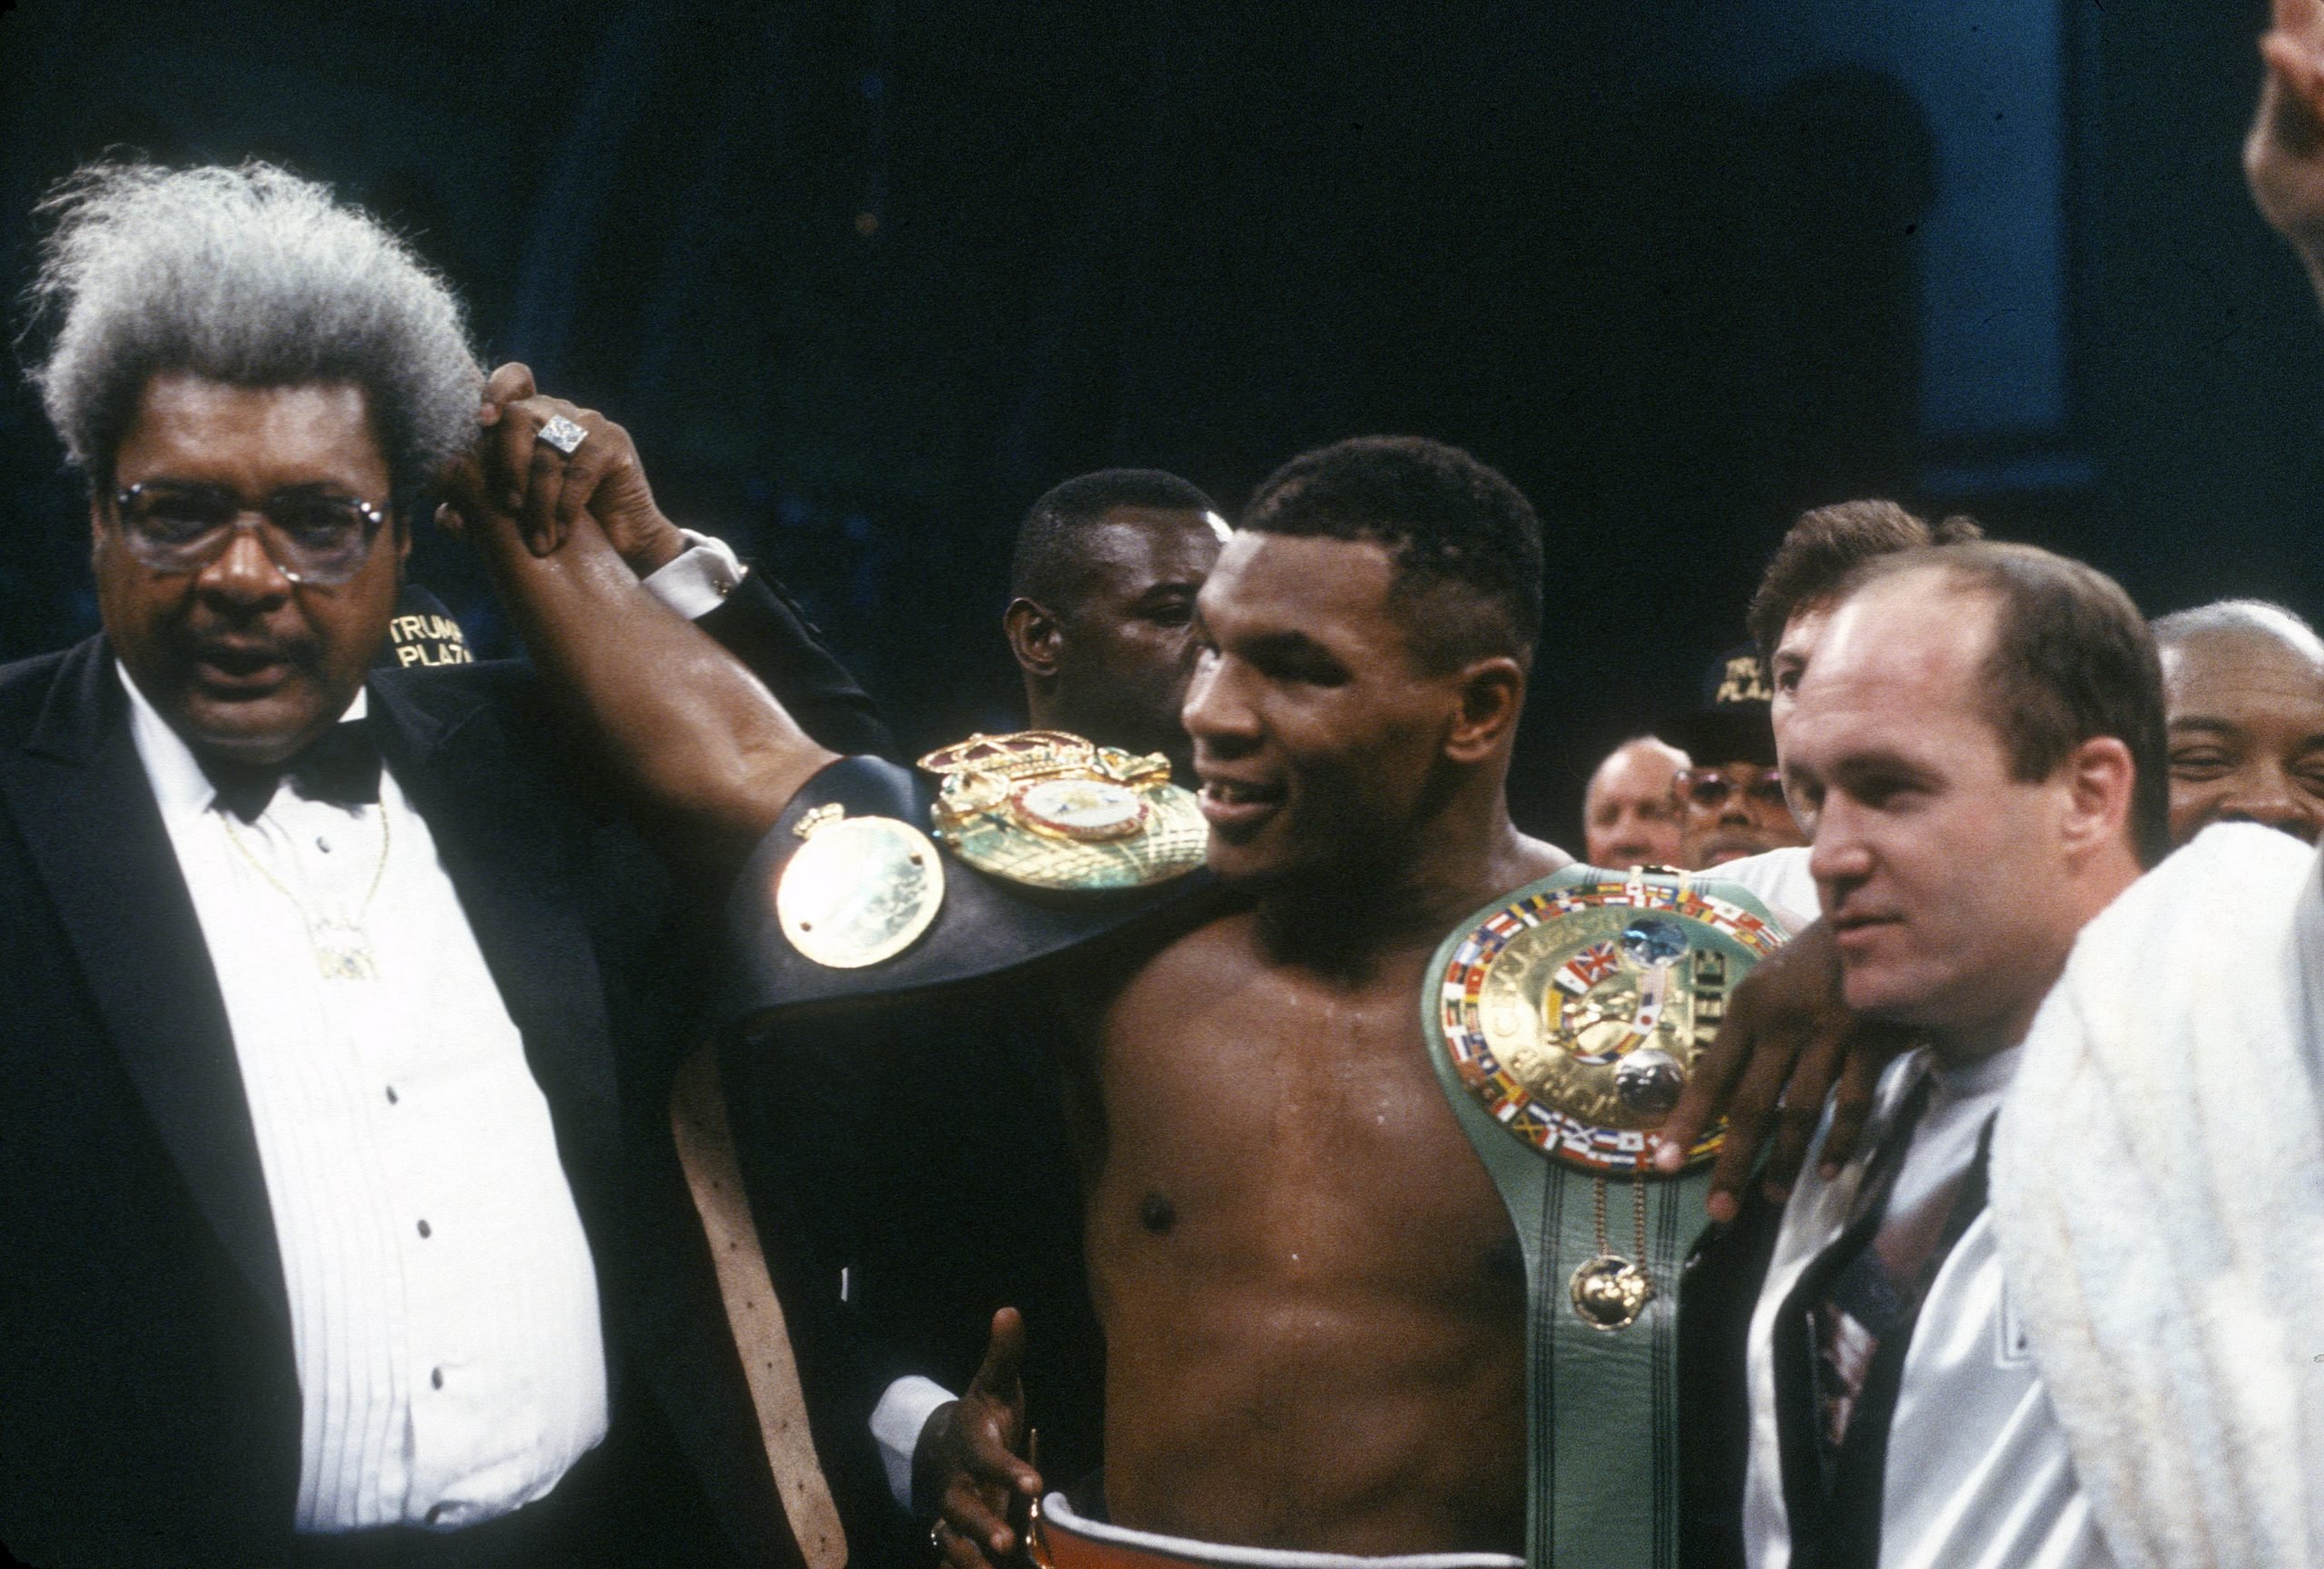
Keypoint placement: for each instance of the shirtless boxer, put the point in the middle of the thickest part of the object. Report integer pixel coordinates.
(1312, 1296)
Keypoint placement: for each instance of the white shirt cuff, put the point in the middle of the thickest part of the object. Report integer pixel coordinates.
(698, 581)
(896, 1425)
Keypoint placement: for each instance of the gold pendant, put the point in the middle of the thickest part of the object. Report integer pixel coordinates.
(343, 951)
(1609, 1292)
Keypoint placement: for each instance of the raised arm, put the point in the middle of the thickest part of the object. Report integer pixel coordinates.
(2283, 156)
(683, 724)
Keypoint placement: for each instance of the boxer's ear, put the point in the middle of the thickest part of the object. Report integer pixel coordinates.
(1491, 694)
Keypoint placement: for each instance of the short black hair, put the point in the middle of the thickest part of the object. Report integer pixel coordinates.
(1824, 544)
(1048, 566)
(2072, 658)
(1448, 519)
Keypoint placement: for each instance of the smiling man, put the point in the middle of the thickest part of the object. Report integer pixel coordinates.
(1731, 803)
(1981, 734)
(1312, 1300)
(2244, 683)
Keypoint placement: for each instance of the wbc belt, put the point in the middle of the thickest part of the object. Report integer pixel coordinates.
(1562, 1021)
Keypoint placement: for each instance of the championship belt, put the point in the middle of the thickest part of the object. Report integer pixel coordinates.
(860, 890)
(1042, 809)
(1049, 810)
(1003, 853)
(1562, 1021)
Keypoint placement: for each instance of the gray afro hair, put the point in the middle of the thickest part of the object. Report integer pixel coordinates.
(250, 276)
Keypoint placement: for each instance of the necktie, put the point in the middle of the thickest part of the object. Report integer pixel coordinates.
(1872, 1290)
(340, 766)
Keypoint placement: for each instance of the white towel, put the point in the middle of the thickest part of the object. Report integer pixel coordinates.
(2157, 1196)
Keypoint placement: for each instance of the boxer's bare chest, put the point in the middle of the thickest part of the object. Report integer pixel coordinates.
(1290, 1243)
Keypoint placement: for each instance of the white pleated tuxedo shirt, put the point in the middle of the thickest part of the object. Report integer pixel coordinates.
(443, 1300)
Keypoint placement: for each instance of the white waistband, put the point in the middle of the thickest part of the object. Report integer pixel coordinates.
(1055, 1507)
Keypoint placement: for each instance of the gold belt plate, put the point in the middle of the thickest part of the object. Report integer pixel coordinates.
(1576, 1014)
(860, 890)
(1051, 810)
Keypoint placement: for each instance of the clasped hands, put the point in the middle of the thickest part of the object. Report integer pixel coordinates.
(514, 486)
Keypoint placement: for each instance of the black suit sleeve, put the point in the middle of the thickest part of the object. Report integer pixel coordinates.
(762, 625)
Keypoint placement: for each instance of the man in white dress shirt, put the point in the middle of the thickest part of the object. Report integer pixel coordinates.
(2168, 1297)
(1981, 734)
(341, 1217)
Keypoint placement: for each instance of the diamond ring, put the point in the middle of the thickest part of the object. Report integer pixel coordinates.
(563, 434)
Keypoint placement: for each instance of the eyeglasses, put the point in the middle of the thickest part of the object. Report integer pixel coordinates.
(1709, 788)
(314, 537)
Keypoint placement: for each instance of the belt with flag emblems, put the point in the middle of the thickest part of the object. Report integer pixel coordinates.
(1562, 1021)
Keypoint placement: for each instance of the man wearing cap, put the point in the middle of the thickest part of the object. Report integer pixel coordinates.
(1730, 794)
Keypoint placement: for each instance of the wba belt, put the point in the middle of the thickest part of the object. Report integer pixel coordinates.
(1562, 1021)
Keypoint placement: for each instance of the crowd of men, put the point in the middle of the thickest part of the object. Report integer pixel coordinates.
(380, 1187)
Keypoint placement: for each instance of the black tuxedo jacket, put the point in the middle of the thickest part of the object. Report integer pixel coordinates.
(148, 1401)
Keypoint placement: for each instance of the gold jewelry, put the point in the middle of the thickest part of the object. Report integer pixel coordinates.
(1610, 1291)
(342, 948)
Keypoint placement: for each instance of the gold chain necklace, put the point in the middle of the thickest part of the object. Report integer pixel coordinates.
(342, 948)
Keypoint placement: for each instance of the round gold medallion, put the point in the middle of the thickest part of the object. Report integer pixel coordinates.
(1609, 1292)
(1089, 811)
(860, 890)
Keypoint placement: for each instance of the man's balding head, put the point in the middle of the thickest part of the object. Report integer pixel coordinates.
(1629, 814)
(1980, 734)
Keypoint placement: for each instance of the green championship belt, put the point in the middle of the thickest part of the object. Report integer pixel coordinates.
(1563, 1021)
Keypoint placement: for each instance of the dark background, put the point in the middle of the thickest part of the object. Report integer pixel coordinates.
(865, 277)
